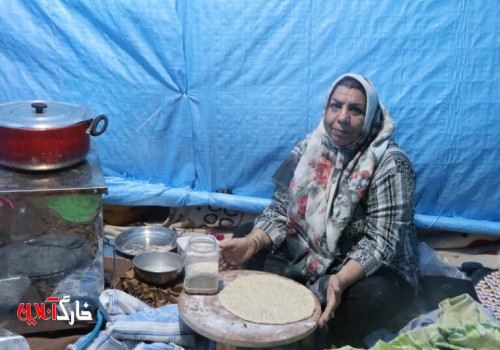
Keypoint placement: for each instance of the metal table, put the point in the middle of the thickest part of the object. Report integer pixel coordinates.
(66, 202)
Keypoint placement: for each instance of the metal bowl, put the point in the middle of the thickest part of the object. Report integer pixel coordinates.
(140, 239)
(158, 268)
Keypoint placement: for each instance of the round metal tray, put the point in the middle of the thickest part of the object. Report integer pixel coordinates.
(136, 240)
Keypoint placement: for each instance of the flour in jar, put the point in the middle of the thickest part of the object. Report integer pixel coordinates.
(268, 299)
(202, 277)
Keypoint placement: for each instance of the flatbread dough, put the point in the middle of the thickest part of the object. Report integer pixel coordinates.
(267, 299)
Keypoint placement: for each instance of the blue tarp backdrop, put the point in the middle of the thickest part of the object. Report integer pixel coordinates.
(211, 95)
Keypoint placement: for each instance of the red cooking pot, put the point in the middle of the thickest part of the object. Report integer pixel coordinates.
(44, 135)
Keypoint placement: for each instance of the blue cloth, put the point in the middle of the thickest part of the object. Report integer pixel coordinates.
(132, 324)
(204, 96)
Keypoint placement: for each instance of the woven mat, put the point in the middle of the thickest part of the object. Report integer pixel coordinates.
(488, 291)
(149, 294)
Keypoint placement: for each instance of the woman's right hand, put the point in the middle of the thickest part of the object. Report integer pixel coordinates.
(236, 252)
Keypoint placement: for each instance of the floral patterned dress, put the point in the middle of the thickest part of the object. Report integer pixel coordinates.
(381, 232)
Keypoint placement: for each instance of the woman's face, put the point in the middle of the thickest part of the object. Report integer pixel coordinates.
(345, 115)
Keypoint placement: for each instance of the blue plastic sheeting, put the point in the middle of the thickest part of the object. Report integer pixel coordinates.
(204, 96)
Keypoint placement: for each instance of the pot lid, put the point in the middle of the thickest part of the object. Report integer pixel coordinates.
(42, 114)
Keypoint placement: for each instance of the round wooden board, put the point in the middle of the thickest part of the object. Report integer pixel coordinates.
(206, 316)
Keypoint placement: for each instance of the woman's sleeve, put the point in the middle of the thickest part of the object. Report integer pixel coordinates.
(273, 219)
(389, 213)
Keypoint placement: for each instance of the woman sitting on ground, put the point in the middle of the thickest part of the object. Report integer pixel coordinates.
(341, 218)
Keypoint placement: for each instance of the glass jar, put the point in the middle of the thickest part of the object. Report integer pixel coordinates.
(21, 224)
(201, 274)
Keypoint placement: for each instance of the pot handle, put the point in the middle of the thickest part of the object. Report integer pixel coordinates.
(92, 130)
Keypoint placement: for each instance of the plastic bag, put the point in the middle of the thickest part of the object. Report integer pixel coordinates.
(12, 341)
(431, 264)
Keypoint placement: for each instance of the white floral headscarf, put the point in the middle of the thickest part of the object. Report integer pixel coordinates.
(329, 181)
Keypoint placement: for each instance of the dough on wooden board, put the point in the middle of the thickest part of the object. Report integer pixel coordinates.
(267, 299)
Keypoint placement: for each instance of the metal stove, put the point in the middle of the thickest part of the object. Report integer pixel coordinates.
(51, 246)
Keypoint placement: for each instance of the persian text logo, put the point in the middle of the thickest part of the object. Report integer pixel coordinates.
(48, 311)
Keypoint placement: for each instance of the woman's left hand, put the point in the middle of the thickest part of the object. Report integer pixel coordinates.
(333, 298)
